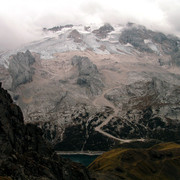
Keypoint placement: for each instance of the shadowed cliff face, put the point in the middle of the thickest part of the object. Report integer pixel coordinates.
(24, 154)
(161, 161)
(138, 36)
(145, 40)
(89, 75)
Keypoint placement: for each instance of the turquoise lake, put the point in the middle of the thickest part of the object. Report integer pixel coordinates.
(81, 158)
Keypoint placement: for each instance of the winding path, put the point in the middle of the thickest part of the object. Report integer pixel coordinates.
(102, 101)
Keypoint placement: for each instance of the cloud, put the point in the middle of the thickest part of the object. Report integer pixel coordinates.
(22, 20)
(14, 33)
(171, 9)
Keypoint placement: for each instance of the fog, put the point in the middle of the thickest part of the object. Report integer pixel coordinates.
(21, 21)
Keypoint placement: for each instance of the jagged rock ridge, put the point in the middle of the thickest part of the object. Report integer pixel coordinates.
(24, 154)
(149, 41)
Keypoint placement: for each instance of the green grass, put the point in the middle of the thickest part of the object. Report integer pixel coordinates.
(160, 162)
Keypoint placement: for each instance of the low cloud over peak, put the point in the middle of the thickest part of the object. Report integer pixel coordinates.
(20, 20)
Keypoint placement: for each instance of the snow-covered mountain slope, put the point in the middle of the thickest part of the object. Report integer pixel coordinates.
(129, 39)
(90, 87)
(79, 38)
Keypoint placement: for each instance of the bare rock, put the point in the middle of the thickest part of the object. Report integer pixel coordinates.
(24, 154)
(76, 36)
(20, 68)
(89, 76)
(103, 30)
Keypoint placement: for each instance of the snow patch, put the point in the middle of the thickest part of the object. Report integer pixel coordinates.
(151, 45)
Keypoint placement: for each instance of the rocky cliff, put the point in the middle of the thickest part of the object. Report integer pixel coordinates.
(89, 75)
(145, 40)
(24, 154)
(149, 110)
(20, 68)
(103, 31)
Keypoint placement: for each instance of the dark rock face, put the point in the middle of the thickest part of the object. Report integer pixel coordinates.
(103, 30)
(24, 154)
(85, 66)
(106, 28)
(151, 111)
(76, 36)
(137, 36)
(20, 68)
(58, 28)
(89, 76)
(84, 136)
(176, 58)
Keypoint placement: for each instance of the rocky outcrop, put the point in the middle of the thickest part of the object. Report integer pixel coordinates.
(145, 40)
(89, 76)
(5, 78)
(161, 161)
(20, 68)
(76, 36)
(57, 28)
(149, 110)
(24, 154)
(136, 37)
(176, 58)
(103, 30)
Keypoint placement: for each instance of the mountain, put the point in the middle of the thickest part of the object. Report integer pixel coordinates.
(95, 87)
(161, 161)
(24, 154)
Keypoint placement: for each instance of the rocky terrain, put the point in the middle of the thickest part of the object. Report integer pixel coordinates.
(161, 161)
(103, 31)
(20, 68)
(24, 154)
(92, 88)
(89, 75)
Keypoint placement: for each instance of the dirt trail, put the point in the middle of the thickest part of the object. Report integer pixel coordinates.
(99, 101)
(102, 101)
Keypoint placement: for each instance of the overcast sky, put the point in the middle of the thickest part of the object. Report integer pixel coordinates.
(21, 20)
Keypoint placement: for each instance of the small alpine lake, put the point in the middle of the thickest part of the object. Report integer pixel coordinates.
(83, 158)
